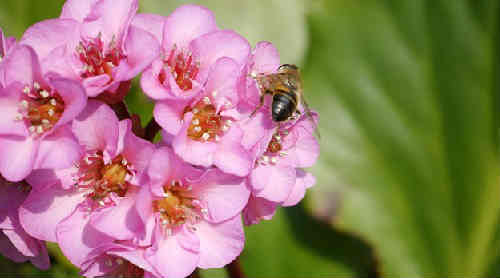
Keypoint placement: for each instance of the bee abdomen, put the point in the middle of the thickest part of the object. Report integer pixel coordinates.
(283, 106)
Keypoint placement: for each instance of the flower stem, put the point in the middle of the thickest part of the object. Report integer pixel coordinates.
(151, 130)
(121, 110)
(195, 274)
(234, 269)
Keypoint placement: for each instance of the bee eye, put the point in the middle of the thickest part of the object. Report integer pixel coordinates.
(287, 66)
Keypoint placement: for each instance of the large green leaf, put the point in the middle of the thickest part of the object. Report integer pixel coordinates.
(409, 107)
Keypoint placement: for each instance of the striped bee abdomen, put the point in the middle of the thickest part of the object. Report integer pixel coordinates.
(283, 106)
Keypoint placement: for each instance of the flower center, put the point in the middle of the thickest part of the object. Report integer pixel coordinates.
(182, 67)
(96, 61)
(40, 108)
(103, 178)
(123, 268)
(178, 206)
(274, 149)
(206, 124)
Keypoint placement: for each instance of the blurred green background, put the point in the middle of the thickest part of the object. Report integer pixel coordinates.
(409, 172)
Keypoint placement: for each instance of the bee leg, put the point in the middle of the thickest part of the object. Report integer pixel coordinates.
(258, 106)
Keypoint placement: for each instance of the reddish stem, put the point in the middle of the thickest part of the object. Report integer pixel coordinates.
(151, 130)
(234, 269)
(121, 110)
(195, 274)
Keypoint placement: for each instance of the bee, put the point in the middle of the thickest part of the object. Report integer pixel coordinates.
(286, 88)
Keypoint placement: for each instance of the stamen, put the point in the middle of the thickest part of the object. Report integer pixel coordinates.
(44, 94)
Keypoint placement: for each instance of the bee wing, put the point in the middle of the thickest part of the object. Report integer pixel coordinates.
(309, 115)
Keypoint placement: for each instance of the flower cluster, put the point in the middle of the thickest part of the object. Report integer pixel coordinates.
(78, 173)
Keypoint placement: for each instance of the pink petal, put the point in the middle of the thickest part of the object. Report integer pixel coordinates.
(223, 195)
(194, 152)
(305, 149)
(43, 210)
(77, 9)
(304, 181)
(152, 23)
(8, 250)
(27, 245)
(17, 157)
(58, 150)
(9, 107)
(135, 257)
(121, 222)
(169, 115)
(96, 85)
(258, 209)
(112, 18)
(97, 127)
(74, 97)
(59, 61)
(266, 58)
(220, 243)
(150, 83)
(212, 46)
(170, 259)
(22, 66)
(222, 79)
(187, 23)
(77, 239)
(160, 169)
(50, 34)
(137, 151)
(272, 182)
(230, 155)
(141, 48)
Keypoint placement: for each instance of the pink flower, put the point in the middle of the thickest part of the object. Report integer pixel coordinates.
(93, 42)
(193, 216)
(86, 205)
(35, 114)
(15, 243)
(6, 44)
(191, 44)
(118, 260)
(206, 130)
(277, 178)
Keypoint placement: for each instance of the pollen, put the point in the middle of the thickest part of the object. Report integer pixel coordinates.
(207, 124)
(40, 108)
(182, 66)
(101, 178)
(178, 206)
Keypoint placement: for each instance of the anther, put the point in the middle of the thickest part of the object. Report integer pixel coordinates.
(45, 122)
(26, 90)
(44, 94)
(217, 138)
(229, 122)
(124, 162)
(53, 102)
(119, 261)
(283, 153)
(36, 85)
(51, 112)
(225, 127)
(197, 129)
(206, 100)
(265, 159)
(274, 160)
(205, 136)
(24, 103)
(195, 110)
(39, 129)
(196, 122)
(214, 93)
(31, 129)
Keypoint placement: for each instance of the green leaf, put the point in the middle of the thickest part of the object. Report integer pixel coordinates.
(16, 16)
(409, 118)
(294, 244)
